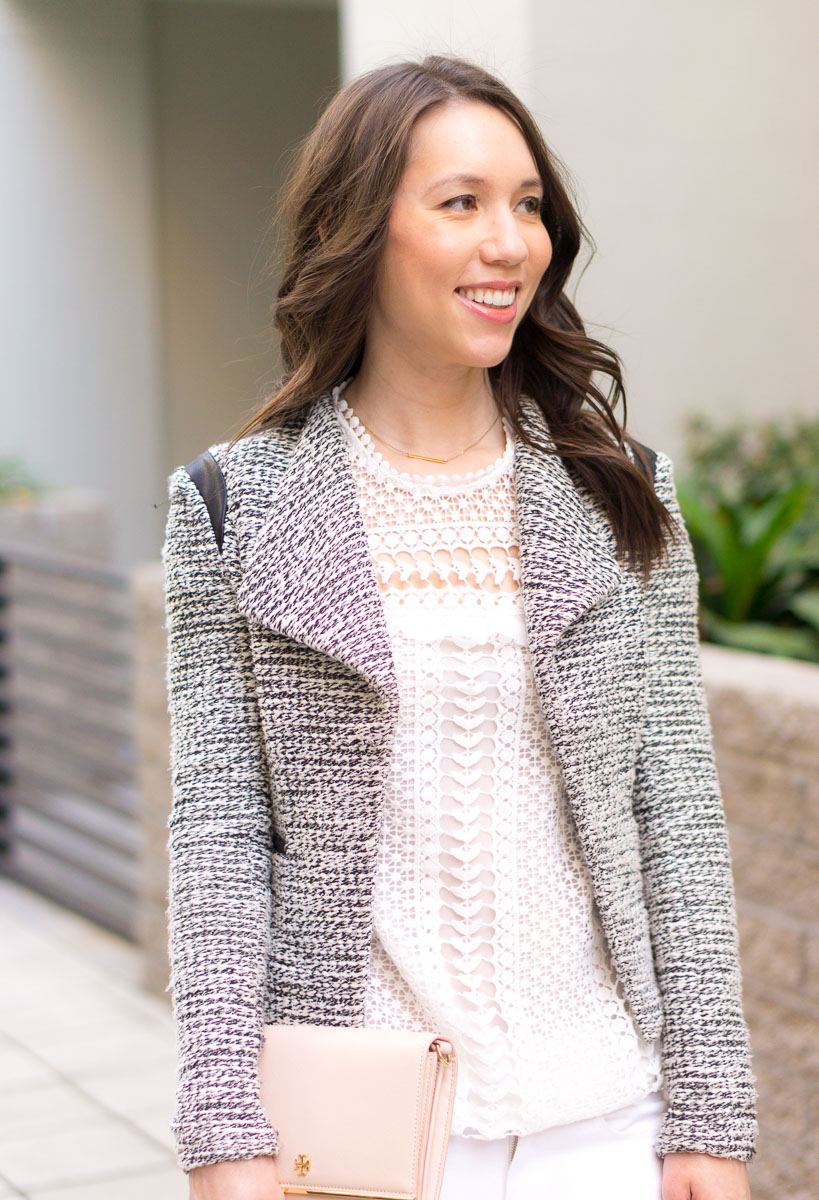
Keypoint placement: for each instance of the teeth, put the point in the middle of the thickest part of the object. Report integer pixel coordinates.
(490, 296)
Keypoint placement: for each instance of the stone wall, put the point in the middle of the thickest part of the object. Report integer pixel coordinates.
(765, 714)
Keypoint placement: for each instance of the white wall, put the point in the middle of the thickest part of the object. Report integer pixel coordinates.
(373, 31)
(79, 381)
(690, 129)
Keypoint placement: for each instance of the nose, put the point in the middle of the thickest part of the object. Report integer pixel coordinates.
(503, 240)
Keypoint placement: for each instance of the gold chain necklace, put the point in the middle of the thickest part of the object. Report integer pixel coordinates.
(426, 457)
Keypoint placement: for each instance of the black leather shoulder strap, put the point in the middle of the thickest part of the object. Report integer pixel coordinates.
(207, 475)
(646, 460)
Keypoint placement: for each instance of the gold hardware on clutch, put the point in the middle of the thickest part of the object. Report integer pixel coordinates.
(445, 1058)
(302, 1164)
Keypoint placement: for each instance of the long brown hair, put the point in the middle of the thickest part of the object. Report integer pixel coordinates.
(336, 210)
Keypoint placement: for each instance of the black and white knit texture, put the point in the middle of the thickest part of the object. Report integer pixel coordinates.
(283, 700)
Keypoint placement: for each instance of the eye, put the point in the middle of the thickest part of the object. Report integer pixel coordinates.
(461, 203)
(532, 205)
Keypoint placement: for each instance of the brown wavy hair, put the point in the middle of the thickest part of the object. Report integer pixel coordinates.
(335, 212)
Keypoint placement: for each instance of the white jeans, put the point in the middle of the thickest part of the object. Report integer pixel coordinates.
(611, 1156)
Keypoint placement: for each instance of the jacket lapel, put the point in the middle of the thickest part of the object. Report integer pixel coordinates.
(568, 564)
(308, 571)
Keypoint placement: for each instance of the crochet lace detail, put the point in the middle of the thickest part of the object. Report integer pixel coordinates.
(485, 927)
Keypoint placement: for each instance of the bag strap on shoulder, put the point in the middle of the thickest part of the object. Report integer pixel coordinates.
(646, 461)
(206, 473)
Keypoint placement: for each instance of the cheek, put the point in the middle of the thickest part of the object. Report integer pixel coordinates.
(420, 253)
(541, 251)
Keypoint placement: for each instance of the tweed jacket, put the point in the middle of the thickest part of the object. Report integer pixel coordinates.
(283, 699)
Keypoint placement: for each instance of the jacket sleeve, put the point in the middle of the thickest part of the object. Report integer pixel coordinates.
(687, 873)
(219, 846)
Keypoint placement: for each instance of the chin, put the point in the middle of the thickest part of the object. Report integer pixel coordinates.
(489, 356)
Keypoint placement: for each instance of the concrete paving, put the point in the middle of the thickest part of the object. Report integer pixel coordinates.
(86, 1062)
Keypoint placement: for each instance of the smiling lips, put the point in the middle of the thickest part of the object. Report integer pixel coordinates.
(494, 303)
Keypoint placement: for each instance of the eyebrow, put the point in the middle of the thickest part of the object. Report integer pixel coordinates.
(477, 180)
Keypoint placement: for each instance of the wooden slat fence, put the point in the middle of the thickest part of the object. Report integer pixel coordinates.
(71, 828)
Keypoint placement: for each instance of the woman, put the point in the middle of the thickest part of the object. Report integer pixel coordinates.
(441, 757)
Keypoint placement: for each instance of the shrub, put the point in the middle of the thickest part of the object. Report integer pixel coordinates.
(16, 482)
(751, 504)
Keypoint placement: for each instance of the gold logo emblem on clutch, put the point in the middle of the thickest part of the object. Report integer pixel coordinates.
(302, 1164)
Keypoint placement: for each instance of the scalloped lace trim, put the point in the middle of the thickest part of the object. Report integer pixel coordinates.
(366, 451)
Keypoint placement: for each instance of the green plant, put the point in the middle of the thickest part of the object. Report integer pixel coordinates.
(16, 481)
(751, 505)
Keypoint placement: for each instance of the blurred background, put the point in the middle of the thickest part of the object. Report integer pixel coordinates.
(143, 144)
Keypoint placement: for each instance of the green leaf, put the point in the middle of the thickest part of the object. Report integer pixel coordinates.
(703, 522)
(774, 517)
(759, 530)
(760, 637)
(740, 541)
(791, 553)
(805, 605)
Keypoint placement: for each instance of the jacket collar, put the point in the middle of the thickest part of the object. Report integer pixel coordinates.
(308, 572)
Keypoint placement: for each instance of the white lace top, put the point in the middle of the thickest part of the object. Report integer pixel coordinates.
(485, 925)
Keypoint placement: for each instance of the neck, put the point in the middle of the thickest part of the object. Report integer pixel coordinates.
(425, 412)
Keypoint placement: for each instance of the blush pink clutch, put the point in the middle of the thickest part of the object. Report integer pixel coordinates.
(360, 1113)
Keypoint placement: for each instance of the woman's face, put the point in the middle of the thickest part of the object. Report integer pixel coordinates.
(466, 246)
